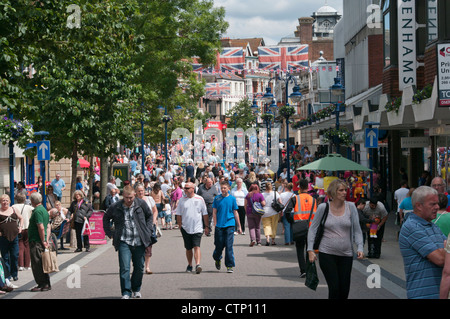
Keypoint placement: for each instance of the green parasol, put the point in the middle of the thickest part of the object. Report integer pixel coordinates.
(334, 162)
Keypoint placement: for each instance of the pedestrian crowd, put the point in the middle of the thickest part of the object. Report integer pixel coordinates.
(226, 200)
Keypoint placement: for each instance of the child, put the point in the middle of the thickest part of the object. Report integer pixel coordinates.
(167, 213)
(374, 227)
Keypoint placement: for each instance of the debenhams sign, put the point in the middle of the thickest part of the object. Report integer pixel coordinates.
(407, 43)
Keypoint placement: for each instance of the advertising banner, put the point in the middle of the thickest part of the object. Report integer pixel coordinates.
(443, 74)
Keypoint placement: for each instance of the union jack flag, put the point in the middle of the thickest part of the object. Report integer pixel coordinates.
(230, 59)
(283, 57)
(217, 89)
(197, 66)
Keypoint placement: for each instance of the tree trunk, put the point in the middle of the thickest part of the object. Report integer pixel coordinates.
(73, 181)
(104, 169)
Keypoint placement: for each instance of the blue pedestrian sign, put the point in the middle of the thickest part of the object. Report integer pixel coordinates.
(43, 150)
(371, 139)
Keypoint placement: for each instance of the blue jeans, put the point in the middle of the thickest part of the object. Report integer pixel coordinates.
(10, 253)
(288, 236)
(128, 254)
(224, 239)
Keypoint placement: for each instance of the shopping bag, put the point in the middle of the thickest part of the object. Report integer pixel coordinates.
(86, 228)
(49, 261)
(312, 280)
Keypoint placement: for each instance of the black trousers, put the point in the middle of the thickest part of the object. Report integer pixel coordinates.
(81, 239)
(374, 244)
(337, 272)
(241, 213)
(300, 245)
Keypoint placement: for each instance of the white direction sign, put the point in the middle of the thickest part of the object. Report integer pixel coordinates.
(43, 150)
(371, 140)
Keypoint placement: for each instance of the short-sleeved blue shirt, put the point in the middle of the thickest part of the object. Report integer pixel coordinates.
(418, 238)
(225, 210)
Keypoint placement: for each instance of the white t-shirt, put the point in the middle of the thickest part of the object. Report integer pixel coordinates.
(240, 196)
(268, 210)
(26, 211)
(191, 211)
(150, 202)
(168, 210)
(285, 197)
(400, 194)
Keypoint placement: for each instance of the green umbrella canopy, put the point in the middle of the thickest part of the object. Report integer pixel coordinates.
(334, 162)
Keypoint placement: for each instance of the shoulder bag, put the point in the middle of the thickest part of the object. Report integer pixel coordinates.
(276, 205)
(257, 208)
(319, 232)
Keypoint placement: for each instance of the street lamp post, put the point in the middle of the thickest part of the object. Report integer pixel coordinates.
(295, 96)
(338, 92)
(235, 137)
(166, 119)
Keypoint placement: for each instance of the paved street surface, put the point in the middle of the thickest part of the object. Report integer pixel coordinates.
(261, 273)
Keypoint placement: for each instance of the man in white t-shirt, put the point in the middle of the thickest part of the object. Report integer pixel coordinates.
(191, 214)
(401, 193)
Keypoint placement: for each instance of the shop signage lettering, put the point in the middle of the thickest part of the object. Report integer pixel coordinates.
(407, 43)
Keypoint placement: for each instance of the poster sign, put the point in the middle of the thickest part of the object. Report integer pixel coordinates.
(443, 74)
(97, 236)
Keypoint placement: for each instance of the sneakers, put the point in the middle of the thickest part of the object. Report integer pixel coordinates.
(230, 270)
(137, 294)
(189, 268)
(218, 264)
(198, 269)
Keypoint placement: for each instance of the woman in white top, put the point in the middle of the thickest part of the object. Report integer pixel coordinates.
(270, 218)
(140, 190)
(239, 192)
(25, 210)
(285, 198)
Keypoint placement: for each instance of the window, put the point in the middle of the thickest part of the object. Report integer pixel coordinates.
(387, 34)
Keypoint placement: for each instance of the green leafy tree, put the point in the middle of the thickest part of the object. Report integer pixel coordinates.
(245, 117)
(173, 32)
(85, 89)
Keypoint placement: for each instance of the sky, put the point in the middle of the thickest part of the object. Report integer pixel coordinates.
(269, 19)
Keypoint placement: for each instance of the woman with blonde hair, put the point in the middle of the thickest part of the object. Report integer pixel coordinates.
(251, 179)
(80, 210)
(341, 230)
(270, 218)
(11, 224)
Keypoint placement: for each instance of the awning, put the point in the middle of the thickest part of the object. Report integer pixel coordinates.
(83, 163)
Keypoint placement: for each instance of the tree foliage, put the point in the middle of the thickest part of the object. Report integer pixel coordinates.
(244, 115)
(96, 82)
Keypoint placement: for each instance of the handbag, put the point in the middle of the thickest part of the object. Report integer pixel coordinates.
(257, 208)
(49, 261)
(86, 230)
(319, 232)
(312, 279)
(276, 205)
(300, 228)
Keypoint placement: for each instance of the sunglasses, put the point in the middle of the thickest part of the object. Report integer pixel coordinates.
(186, 188)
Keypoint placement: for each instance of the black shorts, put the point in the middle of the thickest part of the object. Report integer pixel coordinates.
(191, 240)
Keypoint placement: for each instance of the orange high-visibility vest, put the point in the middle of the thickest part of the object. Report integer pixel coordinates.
(304, 204)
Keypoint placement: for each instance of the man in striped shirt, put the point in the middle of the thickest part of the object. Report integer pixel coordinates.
(422, 246)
